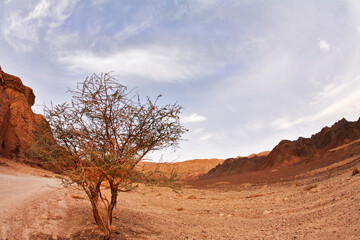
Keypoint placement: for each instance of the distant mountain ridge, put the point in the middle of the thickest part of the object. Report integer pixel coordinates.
(187, 170)
(286, 153)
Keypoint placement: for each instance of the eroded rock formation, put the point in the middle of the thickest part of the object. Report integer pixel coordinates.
(18, 123)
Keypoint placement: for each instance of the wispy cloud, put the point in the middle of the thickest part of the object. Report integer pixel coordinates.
(155, 62)
(193, 118)
(336, 88)
(23, 29)
(346, 105)
(337, 99)
(132, 29)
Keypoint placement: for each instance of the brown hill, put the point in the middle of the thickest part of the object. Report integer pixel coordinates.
(18, 123)
(327, 146)
(187, 170)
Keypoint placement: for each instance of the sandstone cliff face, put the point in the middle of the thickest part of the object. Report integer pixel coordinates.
(18, 123)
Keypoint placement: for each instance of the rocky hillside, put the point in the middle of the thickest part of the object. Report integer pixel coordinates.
(310, 149)
(18, 123)
(289, 153)
(238, 165)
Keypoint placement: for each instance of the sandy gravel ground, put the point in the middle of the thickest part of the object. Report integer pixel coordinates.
(322, 204)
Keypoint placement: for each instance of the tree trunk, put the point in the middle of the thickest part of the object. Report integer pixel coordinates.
(96, 213)
(110, 208)
(114, 194)
(94, 194)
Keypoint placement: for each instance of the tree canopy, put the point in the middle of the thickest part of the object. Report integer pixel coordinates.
(104, 132)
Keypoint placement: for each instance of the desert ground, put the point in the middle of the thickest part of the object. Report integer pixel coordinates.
(319, 204)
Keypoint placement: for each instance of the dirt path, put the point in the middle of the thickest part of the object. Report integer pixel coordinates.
(16, 189)
(33, 207)
(17, 192)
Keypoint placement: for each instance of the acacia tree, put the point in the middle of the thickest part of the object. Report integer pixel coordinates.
(103, 133)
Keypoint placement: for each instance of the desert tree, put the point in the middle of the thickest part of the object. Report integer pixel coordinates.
(103, 132)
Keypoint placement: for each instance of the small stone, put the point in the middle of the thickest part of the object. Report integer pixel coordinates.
(266, 212)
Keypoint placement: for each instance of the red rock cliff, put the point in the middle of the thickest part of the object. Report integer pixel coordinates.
(18, 123)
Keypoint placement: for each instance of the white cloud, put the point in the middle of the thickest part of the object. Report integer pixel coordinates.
(335, 89)
(336, 99)
(193, 118)
(159, 63)
(323, 45)
(41, 10)
(22, 30)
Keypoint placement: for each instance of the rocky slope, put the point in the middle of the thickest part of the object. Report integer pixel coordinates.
(18, 123)
(237, 165)
(301, 151)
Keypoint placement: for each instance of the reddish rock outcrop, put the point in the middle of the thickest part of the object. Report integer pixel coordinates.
(18, 123)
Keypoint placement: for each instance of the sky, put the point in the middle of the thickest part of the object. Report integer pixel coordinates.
(248, 73)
